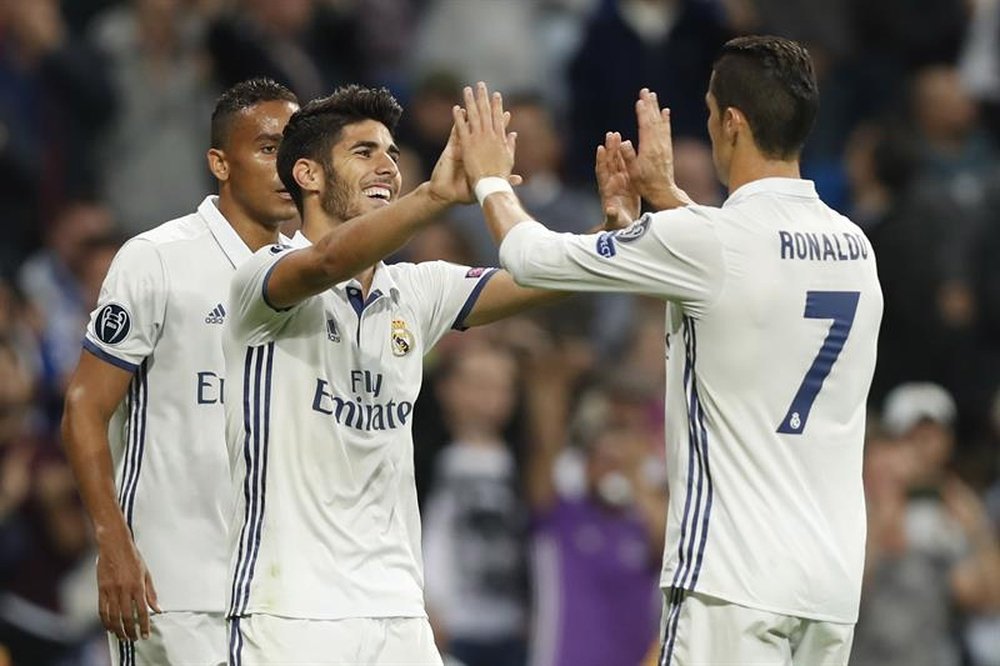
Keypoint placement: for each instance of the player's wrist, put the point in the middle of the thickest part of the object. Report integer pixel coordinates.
(489, 185)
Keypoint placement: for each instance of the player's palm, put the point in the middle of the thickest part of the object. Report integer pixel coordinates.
(125, 590)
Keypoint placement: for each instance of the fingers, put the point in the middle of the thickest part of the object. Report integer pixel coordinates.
(151, 599)
(512, 143)
(126, 617)
(496, 106)
(630, 158)
(484, 106)
(471, 111)
(460, 123)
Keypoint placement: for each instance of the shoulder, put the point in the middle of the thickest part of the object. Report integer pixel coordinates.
(179, 230)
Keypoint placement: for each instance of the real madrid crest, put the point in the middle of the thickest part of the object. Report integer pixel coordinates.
(401, 338)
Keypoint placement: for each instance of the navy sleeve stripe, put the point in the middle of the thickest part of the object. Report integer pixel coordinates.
(263, 287)
(470, 302)
(108, 358)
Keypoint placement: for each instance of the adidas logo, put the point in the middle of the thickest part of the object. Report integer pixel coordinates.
(217, 315)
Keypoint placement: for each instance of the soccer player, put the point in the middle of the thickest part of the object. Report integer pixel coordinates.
(773, 308)
(324, 354)
(144, 425)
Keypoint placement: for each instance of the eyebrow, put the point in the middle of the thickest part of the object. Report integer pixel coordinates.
(268, 137)
(393, 149)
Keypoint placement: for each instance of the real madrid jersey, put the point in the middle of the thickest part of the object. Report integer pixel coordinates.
(773, 313)
(160, 316)
(325, 521)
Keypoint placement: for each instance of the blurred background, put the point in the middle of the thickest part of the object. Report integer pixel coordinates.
(539, 450)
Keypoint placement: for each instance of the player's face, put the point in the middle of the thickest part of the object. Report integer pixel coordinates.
(251, 154)
(365, 171)
(721, 150)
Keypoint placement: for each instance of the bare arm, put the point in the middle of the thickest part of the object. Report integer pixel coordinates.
(352, 247)
(95, 391)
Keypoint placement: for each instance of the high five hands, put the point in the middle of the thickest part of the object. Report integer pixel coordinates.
(624, 174)
(487, 147)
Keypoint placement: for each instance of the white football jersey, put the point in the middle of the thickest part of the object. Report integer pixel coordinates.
(160, 316)
(772, 318)
(325, 522)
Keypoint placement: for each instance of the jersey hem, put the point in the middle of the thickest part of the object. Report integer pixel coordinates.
(778, 610)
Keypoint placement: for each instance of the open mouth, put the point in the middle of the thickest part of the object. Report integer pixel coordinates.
(378, 193)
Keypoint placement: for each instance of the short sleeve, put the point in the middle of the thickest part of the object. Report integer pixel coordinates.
(128, 320)
(445, 294)
(255, 321)
(674, 254)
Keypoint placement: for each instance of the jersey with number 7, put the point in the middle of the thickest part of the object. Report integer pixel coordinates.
(773, 313)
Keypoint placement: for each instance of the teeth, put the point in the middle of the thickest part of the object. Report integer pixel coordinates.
(379, 192)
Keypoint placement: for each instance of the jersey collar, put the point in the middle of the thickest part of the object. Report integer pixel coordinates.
(227, 238)
(793, 187)
(382, 282)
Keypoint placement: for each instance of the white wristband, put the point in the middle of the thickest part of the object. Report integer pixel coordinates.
(491, 185)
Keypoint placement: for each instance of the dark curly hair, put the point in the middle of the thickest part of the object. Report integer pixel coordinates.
(313, 130)
(771, 80)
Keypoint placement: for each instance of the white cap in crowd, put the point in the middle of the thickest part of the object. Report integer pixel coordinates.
(909, 404)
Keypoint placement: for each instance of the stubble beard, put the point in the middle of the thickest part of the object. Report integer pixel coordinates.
(337, 201)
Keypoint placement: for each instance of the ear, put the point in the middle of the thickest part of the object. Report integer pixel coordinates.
(308, 174)
(218, 164)
(733, 123)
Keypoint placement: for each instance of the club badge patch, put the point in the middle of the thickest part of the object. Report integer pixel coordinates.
(634, 231)
(112, 324)
(401, 338)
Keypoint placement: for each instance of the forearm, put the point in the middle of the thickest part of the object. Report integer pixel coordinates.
(85, 438)
(667, 198)
(351, 248)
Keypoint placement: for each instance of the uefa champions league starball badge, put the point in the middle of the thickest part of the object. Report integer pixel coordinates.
(401, 338)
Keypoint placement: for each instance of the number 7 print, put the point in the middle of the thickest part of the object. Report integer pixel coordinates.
(840, 306)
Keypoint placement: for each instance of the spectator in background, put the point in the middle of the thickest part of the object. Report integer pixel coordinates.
(425, 127)
(55, 283)
(664, 45)
(43, 536)
(54, 97)
(932, 551)
(474, 521)
(151, 159)
(307, 45)
(491, 40)
(595, 556)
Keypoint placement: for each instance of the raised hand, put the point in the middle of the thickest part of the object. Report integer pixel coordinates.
(619, 200)
(125, 589)
(651, 169)
(487, 148)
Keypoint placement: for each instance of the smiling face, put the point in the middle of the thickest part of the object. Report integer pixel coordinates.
(250, 151)
(365, 172)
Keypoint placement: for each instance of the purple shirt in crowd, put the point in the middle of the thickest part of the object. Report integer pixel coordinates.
(596, 586)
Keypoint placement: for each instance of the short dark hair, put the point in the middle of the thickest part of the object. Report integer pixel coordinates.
(313, 130)
(241, 97)
(771, 80)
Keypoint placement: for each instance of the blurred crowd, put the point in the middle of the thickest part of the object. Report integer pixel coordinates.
(539, 440)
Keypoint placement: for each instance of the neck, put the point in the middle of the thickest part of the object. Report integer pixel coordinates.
(316, 223)
(254, 233)
(748, 166)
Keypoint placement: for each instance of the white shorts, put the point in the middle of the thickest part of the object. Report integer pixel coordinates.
(699, 630)
(270, 640)
(175, 639)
